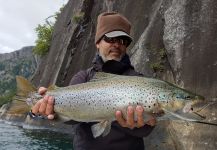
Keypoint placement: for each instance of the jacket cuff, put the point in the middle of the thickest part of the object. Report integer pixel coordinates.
(35, 116)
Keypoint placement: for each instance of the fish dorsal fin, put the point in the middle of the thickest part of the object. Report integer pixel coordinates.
(102, 76)
(52, 87)
(24, 87)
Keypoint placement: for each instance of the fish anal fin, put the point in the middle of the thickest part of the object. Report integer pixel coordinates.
(101, 128)
(71, 122)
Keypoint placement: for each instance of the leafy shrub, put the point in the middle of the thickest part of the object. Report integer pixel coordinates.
(78, 17)
(44, 33)
(7, 98)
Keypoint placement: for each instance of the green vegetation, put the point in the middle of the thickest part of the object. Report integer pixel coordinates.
(23, 66)
(2, 66)
(7, 98)
(77, 18)
(44, 33)
(158, 65)
(162, 53)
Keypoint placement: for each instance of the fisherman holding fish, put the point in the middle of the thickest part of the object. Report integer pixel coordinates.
(112, 105)
(112, 39)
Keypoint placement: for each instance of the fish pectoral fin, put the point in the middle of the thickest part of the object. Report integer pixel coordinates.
(101, 128)
(62, 118)
(71, 122)
(148, 116)
(185, 116)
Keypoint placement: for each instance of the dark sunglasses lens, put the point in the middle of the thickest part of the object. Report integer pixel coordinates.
(120, 40)
(108, 40)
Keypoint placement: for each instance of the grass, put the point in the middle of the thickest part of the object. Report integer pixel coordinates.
(7, 98)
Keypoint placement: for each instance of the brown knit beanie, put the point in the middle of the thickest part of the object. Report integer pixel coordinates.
(112, 21)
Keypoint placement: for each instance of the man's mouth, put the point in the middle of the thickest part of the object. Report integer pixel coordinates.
(115, 51)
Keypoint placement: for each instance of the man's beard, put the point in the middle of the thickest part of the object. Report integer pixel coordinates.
(105, 59)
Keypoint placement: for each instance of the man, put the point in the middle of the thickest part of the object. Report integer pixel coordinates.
(112, 39)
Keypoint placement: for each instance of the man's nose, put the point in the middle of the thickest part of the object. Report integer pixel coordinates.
(117, 43)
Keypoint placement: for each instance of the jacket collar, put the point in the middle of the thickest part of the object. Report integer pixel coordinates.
(112, 66)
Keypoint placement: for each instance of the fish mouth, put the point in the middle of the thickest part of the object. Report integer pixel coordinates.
(203, 105)
(196, 107)
(199, 115)
(192, 110)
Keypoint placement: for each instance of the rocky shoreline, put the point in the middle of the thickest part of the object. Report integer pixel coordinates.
(24, 121)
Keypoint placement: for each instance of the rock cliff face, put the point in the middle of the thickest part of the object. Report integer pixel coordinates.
(21, 53)
(173, 40)
(21, 62)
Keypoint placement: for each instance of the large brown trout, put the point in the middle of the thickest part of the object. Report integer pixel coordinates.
(99, 99)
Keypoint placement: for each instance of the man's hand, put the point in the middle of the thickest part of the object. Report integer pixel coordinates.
(44, 106)
(129, 122)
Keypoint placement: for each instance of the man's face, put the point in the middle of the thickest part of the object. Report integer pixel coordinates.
(111, 48)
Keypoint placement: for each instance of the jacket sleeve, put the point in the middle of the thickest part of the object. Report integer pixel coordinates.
(80, 77)
(137, 132)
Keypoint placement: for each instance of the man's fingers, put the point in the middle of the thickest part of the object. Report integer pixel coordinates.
(43, 106)
(120, 118)
(140, 119)
(50, 117)
(130, 117)
(42, 90)
(50, 106)
(35, 108)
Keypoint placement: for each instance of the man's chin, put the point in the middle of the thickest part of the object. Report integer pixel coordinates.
(112, 57)
(115, 58)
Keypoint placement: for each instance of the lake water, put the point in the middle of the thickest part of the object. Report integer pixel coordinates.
(16, 138)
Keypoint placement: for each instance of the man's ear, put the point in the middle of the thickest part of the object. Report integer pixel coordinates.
(97, 45)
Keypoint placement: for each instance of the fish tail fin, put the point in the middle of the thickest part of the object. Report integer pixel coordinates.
(24, 87)
(18, 104)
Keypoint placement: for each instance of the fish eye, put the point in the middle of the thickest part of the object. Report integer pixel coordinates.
(188, 97)
(178, 96)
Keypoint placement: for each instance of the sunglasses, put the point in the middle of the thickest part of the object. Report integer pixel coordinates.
(121, 40)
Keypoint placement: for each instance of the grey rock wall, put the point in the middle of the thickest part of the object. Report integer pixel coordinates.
(19, 54)
(21, 62)
(173, 40)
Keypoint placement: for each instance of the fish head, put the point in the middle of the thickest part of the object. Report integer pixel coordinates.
(186, 105)
(186, 100)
